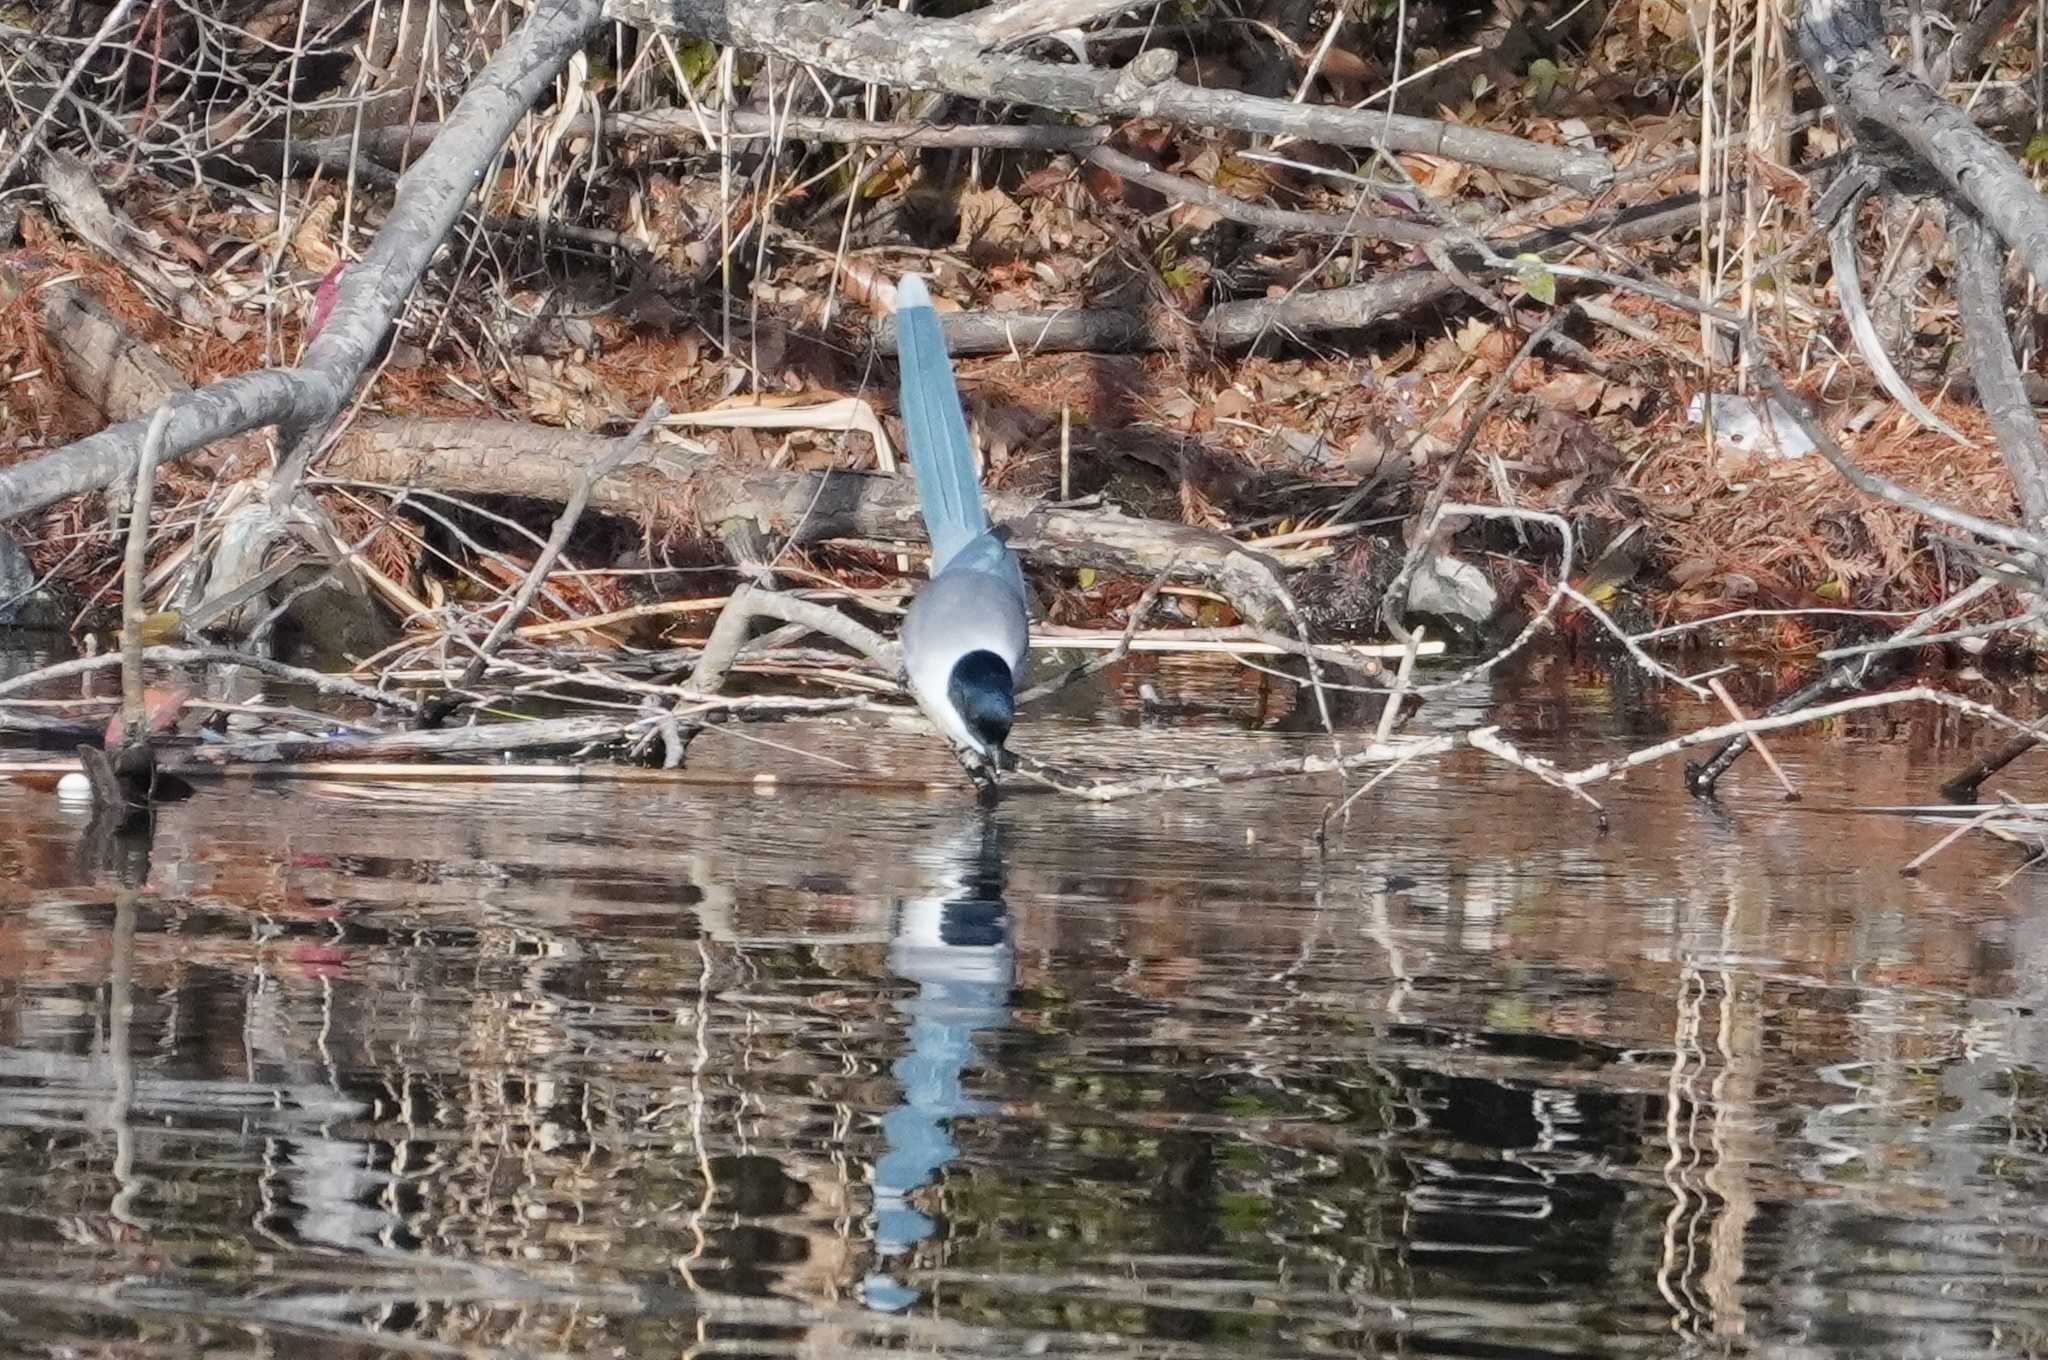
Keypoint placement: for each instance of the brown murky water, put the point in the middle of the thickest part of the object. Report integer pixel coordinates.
(645, 1071)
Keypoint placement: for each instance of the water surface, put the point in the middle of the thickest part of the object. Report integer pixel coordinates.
(649, 1071)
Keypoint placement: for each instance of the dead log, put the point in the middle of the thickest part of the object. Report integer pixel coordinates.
(503, 458)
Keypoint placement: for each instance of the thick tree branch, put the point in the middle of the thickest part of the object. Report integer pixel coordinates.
(1919, 138)
(889, 47)
(1980, 300)
(303, 399)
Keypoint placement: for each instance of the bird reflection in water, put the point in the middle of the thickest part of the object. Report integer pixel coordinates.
(953, 941)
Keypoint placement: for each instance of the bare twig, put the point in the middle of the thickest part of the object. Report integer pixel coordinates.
(116, 17)
(1735, 712)
(1394, 604)
(1488, 739)
(1541, 619)
(1913, 865)
(1608, 769)
(558, 539)
(1117, 790)
(1402, 676)
(1628, 644)
(1136, 617)
(337, 685)
(749, 602)
(1849, 673)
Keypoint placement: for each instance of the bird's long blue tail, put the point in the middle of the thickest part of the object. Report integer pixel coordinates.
(941, 456)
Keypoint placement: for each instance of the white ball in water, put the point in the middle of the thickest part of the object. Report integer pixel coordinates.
(75, 788)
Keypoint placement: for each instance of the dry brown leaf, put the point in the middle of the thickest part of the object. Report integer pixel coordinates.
(310, 240)
(1231, 404)
(1621, 397)
(988, 214)
(1570, 392)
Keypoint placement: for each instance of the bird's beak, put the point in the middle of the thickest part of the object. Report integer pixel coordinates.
(984, 769)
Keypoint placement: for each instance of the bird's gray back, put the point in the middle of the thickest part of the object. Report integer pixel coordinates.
(975, 604)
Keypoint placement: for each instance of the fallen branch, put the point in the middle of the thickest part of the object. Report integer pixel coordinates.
(476, 739)
(1085, 143)
(337, 685)
(1246, 321)
(500, 458)
(1488, 739)
(1982, 31)
(1851, 672)
(749, 602)
(396, 144)
(1609, 769)
(1215, 776)
(893, 48)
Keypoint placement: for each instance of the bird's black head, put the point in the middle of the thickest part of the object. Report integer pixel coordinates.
(983, 689)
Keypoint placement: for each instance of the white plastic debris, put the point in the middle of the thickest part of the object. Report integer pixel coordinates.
(1454, 589)
(74, 788)
(1738, 424)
